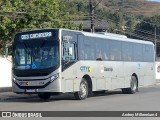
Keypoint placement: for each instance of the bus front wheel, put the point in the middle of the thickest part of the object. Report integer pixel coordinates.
(133, 86)
(83, 90)
(44, 96)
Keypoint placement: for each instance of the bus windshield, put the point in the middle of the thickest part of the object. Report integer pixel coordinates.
(35, 54)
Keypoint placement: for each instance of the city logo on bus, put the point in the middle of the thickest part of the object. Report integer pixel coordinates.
(28, 83)
(86, 69)
(24, 83)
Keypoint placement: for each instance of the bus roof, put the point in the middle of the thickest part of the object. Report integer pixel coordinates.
(103, 35)
(111, 36)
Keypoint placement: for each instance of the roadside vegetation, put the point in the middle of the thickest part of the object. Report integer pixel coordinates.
(134, 18)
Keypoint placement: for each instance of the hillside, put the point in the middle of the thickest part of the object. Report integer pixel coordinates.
(117, 13)
(137, 7)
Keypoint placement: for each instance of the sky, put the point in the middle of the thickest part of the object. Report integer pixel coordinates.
(154, 0)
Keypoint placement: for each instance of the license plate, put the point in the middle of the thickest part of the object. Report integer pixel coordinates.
(30, 90)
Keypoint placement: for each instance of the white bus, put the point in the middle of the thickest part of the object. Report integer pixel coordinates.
(52, 61)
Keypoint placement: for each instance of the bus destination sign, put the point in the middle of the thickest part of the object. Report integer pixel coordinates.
(36, 35)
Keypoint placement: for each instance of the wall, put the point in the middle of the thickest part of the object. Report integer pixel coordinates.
(5, 72)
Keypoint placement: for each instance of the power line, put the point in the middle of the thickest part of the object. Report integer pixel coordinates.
(141, 36)
(155, 25)
(97, 4)
(140, 30)
(146, 32)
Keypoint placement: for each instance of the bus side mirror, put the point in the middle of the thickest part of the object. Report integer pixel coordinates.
(8, 46)
(70, 51)
(6, 51)
(67, 53)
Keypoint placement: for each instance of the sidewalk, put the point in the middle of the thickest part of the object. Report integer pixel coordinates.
(5, 89)
(158, 82)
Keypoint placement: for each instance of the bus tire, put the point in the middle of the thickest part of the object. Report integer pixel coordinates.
(83, 90)
(44, 96)
(133, 86)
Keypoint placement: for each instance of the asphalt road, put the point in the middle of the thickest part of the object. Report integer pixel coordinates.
(147, 99)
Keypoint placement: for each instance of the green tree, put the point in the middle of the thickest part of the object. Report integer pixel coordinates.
(130, 23)
(146, 28)
(149, 23)
(22, 15)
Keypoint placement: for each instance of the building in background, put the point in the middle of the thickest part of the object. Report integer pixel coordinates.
(99, 26)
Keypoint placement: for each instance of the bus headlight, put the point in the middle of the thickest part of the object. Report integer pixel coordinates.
(54, 77)
(14, 79)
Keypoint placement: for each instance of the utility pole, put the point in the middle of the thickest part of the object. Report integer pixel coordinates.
(155, 42)
(92, 15)
(92, 8)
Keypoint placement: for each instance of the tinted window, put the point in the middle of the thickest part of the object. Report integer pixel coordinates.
(138, 52)
(80, 47)
(36, 54)
(71, 36)
(115, 50)
(89, 49)
(102, 49)
(148, 53)
(127, 51)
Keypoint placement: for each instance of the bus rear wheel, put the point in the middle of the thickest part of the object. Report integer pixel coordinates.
(44, 96)
(133, 86)
(83, 90)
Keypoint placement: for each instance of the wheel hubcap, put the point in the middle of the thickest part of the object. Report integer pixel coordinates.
(134, 85)
(83, 90)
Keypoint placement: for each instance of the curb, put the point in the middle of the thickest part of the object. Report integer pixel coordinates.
(157, 81)
(5, 89)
